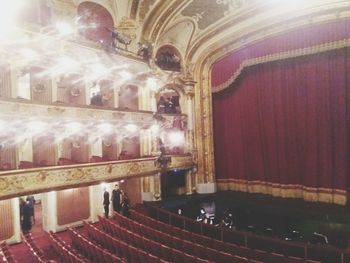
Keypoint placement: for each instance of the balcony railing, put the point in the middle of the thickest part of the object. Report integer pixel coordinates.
(35, 180)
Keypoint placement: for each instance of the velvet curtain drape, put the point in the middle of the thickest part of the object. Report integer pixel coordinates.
(281, 128)
(305, 40)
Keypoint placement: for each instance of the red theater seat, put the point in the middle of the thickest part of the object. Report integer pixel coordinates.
(96, 159)
(65, 161)
(25, 165)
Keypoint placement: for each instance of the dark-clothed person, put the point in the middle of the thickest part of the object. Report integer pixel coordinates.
(106, 202)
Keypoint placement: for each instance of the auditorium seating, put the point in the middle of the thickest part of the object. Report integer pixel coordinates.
(64, 251)
(239, 250)
(6, 167)
(34, 248)
(160, 241)
(25, 165)
(117, 245)
(5, 254)
(65, 161)
(96, 159)
(92, 251)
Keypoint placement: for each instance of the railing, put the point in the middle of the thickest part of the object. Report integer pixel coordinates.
(324, 253)
(43, 179)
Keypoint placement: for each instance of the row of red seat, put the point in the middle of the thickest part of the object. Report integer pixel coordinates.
(5, 254)
(91, 251)
(144, 244)
(211, 242)
(129, 252)
(172, 251)
(37, 253)
(65, 251)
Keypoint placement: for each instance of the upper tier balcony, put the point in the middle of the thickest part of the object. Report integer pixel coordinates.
(36, 180)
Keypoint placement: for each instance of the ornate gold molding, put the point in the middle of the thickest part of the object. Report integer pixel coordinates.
(217, 41)
(313, 194)
(283, 55)
(20, 182)
(22, 109)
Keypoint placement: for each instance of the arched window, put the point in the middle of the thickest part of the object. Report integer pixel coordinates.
(128, 97)
(94, 20)
(168, 58)
(168, 101)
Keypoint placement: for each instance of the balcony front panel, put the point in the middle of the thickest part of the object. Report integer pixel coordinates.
(21, 182)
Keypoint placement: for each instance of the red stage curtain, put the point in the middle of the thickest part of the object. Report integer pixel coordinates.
(224, 69)
(283, 125)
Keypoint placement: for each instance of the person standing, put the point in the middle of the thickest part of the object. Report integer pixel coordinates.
(116, 200)
(26, 217)
(125, 204)
(31, 202)
(106, 202)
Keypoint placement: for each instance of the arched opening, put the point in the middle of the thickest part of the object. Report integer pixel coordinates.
(128, 97)
(168, 58)
(168, 101)
(93, 21)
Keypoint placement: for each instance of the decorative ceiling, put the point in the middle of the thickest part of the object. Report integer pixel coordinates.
(204, 30)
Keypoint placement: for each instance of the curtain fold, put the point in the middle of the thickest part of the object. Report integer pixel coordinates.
(281, 129)
(226, 70)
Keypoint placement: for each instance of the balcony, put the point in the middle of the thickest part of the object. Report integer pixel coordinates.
(35, 180)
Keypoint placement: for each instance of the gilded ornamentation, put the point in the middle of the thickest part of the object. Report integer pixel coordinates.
(134, 167)
(205, 12)
(109, 168)
(36, 180)
(127, 27)
(312, 194)
(281, 56)
(42, 176)
(3, 184)
(232, 5)
(145, 7)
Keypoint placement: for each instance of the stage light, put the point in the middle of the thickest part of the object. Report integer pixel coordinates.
(28, 55)
(105, 128)
(9, 12)
(36, 127)
(176, 138)
(64, 28)
(73, 127)
(125, 75)
(155, 128)
(151, 83)
(131, 127)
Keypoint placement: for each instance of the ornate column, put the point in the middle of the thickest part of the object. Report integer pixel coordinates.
(116, 90)
(146, 147)
(205, 181)
(5, 81)
(96, 200)
(189, 182)
(49, 211)
(54, 91)
(15, 73)
(145, 142)
(153, 102)
(10, 229)
(95, 146)
(189, 93)
(25, 150)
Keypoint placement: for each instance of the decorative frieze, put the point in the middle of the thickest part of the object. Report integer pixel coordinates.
(20, 182)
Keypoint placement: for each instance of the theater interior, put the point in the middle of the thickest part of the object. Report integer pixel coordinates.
(225, 125)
